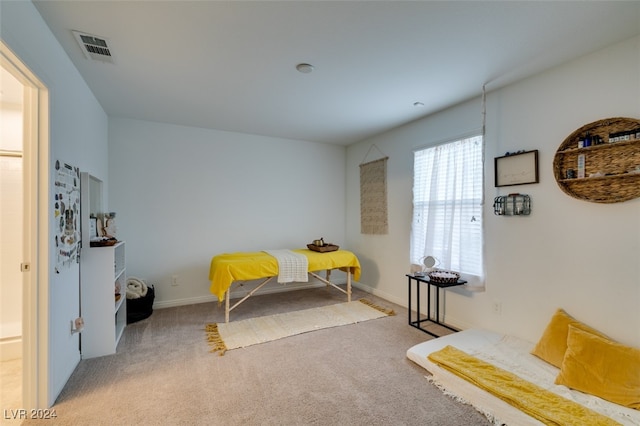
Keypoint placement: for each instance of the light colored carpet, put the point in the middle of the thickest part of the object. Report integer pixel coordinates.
(252, 331)
(164, 374)
(10, 391)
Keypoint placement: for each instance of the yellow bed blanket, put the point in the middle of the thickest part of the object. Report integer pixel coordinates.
(543, 405)
(244, 266)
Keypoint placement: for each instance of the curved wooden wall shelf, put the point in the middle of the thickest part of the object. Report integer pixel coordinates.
(611, 169)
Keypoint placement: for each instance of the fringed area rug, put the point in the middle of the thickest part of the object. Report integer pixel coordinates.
(239, 334)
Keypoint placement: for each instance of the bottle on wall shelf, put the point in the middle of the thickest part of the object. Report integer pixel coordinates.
(628, 135)
(581, 163)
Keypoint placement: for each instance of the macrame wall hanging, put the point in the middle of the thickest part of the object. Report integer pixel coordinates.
(373, 195)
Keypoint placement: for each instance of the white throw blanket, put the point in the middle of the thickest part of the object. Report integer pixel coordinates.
(292, 267)
(136, 288)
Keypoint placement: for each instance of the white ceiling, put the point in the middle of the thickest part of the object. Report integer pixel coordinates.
(230, 65)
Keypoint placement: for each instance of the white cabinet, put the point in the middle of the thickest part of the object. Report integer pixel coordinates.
(103, 280)
(103, 299)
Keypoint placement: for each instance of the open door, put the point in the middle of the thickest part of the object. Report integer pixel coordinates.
(35, 264)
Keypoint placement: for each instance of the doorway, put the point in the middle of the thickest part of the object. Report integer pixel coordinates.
(25, 189)
(11, 234)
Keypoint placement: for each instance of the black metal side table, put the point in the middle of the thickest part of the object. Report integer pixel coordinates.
(438, 285)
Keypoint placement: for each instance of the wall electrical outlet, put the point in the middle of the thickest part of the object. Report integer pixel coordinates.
(497, 307)
(174, 280)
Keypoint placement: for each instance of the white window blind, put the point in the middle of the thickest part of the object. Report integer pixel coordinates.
(447, 207)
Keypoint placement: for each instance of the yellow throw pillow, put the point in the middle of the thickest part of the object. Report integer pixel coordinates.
(601, 367)
(553, 343)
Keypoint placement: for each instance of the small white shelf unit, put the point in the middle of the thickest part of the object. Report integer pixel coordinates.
(102, 276)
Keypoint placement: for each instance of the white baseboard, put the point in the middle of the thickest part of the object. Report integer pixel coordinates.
(461, 325)
(10, 348)
(183, 302)
(382, 294)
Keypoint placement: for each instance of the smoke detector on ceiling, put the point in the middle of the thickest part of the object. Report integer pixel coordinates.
(94, 47)
(304, 68)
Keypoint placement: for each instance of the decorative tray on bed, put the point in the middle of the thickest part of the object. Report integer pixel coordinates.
(443, 276)
(323, 249)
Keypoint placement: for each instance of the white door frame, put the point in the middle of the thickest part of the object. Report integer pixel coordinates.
(35, 293)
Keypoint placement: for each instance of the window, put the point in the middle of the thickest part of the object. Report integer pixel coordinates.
(447, 207)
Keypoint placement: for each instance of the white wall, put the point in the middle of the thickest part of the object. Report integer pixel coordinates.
(78, 136)
(184, 194)
(569, 253)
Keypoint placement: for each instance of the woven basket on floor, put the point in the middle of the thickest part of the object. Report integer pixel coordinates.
(617, 161)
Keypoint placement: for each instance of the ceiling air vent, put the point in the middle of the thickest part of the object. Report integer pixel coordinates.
(94, 47)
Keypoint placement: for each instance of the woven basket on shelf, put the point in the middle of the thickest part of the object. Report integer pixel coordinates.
(616, 161)
(443, 276)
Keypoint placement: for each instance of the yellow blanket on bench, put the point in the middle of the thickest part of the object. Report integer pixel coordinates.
(539, 403)
(229, 267)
